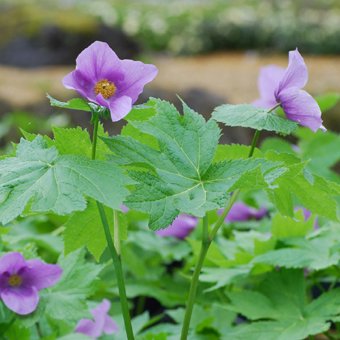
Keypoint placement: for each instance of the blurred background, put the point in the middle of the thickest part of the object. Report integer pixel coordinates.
(208, 51)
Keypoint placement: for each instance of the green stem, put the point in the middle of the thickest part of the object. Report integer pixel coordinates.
(95, 122)
(117, 263)
(206, 241)
(116, 235)
(194, 282)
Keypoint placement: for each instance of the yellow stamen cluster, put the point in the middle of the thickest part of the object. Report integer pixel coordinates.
(105, 87)
(14, 280)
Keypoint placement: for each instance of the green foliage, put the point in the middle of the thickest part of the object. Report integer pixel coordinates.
(84, 229)
(281, 298)
(66, 300)
(46, 181)
(311, 191)
(182, 176)
(246, 115)
(74, 104)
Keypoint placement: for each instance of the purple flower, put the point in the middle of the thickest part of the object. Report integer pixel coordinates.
(20, 281)
(181, 227)
(307, 214)
(284, 86)
(101, 77)
(102, 323)
(241, 212)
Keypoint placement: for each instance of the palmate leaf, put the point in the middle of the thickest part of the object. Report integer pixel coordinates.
(48, 182)
(180, 176)
(297, 183)
(314, 252)
(281, 299)
(84, 229)
(246, 115)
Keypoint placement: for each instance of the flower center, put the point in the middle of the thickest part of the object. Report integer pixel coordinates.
(105, 87)
(14, 280)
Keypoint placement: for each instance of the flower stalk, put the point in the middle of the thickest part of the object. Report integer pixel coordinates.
(207, 240)
(115, 252)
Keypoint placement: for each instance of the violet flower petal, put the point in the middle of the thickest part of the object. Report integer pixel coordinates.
(110, 326)
(296, 74)
(21, 300)
(41, 275)
(97, 61)
(75, 80)
(268, 80)
(88, 327)
(136, 75)
(120, 107)
(241, 212)
(181, 227)
(301, 107)
(102, 323)
(12, 263)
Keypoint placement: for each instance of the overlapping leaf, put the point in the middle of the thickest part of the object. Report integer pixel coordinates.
(281, 299)
(180, 176)
(48, 182)
(312, 192)
(246, 115)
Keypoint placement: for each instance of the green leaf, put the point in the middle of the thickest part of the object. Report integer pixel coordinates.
(85, 229)
(246, 115)
(327, 101)
(234, 151)
(67, 299)
(48, 182)
(311, 191)
(322, 151)
(180, 176)
(74, 104)
(292, 318)
(313, 252)
(284, 226)
(65, 140)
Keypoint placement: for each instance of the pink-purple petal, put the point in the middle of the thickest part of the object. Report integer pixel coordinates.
(269, 79)
(88, 327)
(296, 74)
(136, 76)
(102, 323)
(12, 263)
(110, 326)
(120, 107)
(41, 275)
(97, 61)
(301, 107)
(21, 300)
(181, 227)
(242, 212)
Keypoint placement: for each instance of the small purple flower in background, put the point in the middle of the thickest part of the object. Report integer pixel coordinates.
(181, 227)
(20, 281)
(102, 323)
(101, 77)
(241, 212)
(307, 214)
(284, 86)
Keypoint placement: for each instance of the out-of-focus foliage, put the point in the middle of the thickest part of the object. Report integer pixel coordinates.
(200, 26)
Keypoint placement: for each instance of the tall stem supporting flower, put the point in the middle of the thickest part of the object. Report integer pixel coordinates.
(206, 241)
(115, 252)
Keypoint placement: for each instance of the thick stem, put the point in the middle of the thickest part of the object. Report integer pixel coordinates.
(194, 281)
(113, 251)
